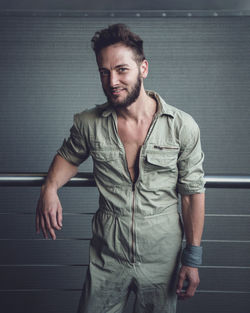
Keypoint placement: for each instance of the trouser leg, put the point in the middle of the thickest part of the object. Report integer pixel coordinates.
(157, 272)
(104, 292)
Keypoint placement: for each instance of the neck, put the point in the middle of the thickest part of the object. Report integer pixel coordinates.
(143, 107)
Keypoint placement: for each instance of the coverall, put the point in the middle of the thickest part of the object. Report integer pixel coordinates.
(137, 232)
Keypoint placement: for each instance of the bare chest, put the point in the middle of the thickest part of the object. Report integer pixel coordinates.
(133, 137)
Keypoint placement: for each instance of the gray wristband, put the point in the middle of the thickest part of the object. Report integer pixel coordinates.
(192, 256)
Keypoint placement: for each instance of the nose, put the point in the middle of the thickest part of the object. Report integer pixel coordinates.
(113, 79)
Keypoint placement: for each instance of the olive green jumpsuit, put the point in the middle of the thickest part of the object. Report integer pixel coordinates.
(137, 232)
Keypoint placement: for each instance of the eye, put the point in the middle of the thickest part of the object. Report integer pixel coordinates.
(122, 69)
(104, 73)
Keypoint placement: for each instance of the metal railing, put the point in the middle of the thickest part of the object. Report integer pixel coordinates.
(85, 179)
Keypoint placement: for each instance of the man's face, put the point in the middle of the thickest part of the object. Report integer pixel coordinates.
(120, 75)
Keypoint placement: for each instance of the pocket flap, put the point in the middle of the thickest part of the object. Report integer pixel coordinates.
(105, 155)
(164, 158)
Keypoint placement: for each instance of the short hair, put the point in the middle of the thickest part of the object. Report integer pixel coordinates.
(118, 33)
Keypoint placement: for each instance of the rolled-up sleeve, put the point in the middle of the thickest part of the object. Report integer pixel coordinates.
(75, 149)
(190, 161)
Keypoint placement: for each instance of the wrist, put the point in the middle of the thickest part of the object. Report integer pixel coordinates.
(192, 256)
(47, 186)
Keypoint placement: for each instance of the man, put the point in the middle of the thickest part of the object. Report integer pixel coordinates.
(145, 152)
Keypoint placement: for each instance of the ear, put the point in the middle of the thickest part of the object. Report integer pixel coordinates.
(144, 69)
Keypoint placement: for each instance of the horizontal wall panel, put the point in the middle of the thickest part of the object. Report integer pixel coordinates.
(227, 201)
(225, 279)
(79, 199)
(215, 303)
(72, 277)
(74, 226)
(79, 226)
(42, 277)
(45, 252)
(226, 254)
(76, 252)
(45, 301)
(227, 228)
(24, 199)
(39, 301)
(67, 302)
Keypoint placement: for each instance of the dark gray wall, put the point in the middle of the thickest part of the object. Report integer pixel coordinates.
(47, 73)
(127, 5)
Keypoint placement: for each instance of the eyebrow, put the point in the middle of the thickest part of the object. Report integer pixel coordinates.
(117, 66)
(121, 65)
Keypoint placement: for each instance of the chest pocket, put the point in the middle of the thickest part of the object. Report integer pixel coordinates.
(160, 168)
(160, 160)
(107, 166)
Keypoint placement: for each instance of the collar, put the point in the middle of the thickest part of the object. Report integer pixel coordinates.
(107, 109)
(163, 107)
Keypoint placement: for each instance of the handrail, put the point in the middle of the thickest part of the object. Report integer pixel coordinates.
(37, 179)
(86, 179)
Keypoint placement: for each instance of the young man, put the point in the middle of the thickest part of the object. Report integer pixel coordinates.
(145, 152)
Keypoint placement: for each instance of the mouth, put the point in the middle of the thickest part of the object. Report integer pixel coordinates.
(116, 91)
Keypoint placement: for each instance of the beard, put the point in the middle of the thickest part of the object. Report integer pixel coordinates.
(129, 99)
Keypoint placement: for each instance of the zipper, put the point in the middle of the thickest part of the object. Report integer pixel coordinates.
(133, 183)
(133, 190)
(132, 229)
(165, 147)
(133, 225)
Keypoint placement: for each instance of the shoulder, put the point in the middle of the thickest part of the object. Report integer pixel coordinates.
(183, 120)
(90, 116)
(182, 125)
(186, 129)
(179, 118)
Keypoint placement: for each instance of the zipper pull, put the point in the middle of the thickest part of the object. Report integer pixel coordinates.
(133, 187)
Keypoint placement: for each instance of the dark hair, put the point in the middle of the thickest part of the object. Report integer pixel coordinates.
(118, 33)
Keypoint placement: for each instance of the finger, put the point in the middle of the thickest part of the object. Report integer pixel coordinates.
(49, 227)
(44, 230)
(59, 217)
(53, 221)
(37, 223)
(190, 292)
(191, 289)
(183, 295)
(180, 284)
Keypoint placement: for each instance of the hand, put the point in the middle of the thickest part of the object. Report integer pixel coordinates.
(190, 274)
(48, 213)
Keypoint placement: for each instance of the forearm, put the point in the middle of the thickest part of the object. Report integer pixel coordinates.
(59, 173)
(193, 212)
